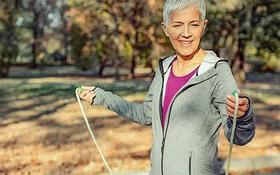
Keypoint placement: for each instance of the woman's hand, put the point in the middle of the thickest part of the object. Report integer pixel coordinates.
(242, 108)
(88, 95)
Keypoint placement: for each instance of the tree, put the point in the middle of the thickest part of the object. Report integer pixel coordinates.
(38, 10)
(241, 35)
(8, 44)
(90, 33)
(124, 27)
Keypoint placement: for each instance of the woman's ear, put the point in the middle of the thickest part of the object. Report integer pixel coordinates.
(164, 28)
(205, 24)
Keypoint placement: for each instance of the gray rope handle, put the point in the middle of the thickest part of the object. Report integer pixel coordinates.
(235, 93)
(91, 133)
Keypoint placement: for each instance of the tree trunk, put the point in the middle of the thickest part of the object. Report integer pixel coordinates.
(35, 40)
(65, 33)
(117, 59)
(133, 63)
(102, 66)
(244, 35)
(116, 64)
(135, 25)
(10, 53)
(95, 64)
(239, 63)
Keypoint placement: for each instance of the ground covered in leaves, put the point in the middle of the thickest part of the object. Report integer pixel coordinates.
(42, 131)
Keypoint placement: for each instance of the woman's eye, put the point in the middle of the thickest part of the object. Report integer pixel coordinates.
(195, 25)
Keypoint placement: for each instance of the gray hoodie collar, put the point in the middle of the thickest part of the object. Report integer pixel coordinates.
(209, 62)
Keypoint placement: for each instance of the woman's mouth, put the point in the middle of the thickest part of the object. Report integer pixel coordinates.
(185, 43)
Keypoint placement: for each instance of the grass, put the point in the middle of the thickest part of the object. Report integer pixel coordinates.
(43, 132)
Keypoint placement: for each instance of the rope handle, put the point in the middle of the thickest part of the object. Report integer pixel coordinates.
(89, 129)
(236, 94)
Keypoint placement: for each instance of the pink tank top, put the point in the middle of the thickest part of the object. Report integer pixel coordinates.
(174, 84)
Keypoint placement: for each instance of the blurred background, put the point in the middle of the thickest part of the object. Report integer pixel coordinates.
(48, 48)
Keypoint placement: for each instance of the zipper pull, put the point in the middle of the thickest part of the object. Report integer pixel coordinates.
(190, 162)
(190, 154)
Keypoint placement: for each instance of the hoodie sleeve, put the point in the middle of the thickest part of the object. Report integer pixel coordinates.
(224, 85)
(139, 113)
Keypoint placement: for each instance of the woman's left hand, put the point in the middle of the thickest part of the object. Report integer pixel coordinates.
(242, 108)
(88, 95)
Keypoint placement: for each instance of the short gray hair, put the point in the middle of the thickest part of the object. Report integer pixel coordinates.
(172, 5)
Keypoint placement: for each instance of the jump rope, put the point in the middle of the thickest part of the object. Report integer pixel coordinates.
(234, 93)
(90, 131)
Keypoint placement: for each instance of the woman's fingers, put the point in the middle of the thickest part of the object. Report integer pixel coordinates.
(242, 107)
(91, 88)
(87, 95)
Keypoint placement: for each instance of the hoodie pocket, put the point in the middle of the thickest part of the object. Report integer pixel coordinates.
(181, 162)
(192, 163)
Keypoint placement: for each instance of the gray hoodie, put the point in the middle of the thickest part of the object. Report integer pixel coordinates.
(188, 143)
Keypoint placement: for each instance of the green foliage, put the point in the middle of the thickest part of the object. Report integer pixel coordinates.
(266, 22)
(265, 62)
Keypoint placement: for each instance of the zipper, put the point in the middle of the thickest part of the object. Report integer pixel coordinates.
(167, 125)
(161, 114)
(190, 162)
(161, 93)
(164, 134)
(162, 153)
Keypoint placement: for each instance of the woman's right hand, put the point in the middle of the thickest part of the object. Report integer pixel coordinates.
(88, 95)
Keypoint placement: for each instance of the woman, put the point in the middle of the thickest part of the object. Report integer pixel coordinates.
(188, 100)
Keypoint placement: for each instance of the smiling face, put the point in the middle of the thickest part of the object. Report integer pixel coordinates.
(185, 30)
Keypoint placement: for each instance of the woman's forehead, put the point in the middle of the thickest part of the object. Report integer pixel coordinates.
(189, 13)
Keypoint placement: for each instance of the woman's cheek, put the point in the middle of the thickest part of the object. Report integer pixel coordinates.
(175, 35)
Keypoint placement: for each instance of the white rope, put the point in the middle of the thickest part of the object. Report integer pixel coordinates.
(107, 165)
(91, 133)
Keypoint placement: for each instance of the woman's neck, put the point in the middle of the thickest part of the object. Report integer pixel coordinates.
(196, 58)
(184, 65)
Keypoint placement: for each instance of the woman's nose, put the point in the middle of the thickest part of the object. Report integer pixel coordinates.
(186, 32)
